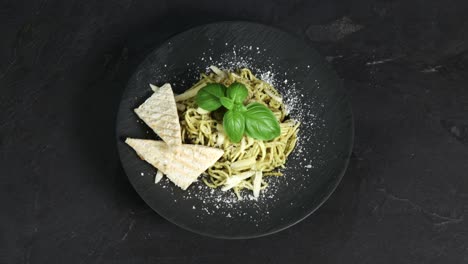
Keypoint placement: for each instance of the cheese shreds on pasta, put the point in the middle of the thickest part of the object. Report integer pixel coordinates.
(246, 164)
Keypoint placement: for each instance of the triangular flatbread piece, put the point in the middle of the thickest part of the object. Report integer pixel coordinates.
(181, 164)
(159, 112)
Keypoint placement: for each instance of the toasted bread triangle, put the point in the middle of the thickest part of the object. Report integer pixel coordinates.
(159, 112)
(182, 164)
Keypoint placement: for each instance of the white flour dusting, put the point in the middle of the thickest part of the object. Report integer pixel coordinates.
(304, 110)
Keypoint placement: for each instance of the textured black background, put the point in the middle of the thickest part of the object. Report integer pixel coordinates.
(65, 198)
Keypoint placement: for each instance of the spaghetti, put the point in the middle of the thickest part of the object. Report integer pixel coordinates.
(245, 164)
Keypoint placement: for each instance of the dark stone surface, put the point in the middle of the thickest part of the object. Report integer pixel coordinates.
(65, 198)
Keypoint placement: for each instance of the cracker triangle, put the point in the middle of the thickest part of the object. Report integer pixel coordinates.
(181, 164)
(159, 112)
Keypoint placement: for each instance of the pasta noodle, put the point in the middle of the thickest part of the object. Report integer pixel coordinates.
(245, 164)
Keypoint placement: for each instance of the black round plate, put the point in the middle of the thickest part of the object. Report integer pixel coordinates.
(314, 95)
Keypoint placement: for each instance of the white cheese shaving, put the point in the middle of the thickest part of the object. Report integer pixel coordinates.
(189, 93)
(243, 164)
(180, 107)
(219, 139)
(257, 182)
(202, 111)
(158, 177)
(218, 72)
(234, 180)
(153, 87)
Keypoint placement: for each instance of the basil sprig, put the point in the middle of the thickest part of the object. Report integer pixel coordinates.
(255, 120)
(209, 96)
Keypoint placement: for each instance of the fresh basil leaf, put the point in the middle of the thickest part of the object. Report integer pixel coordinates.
(226, 102)
(260, 123)
(237, 92)
(239, 108)
(234, 125)
(208, 97)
